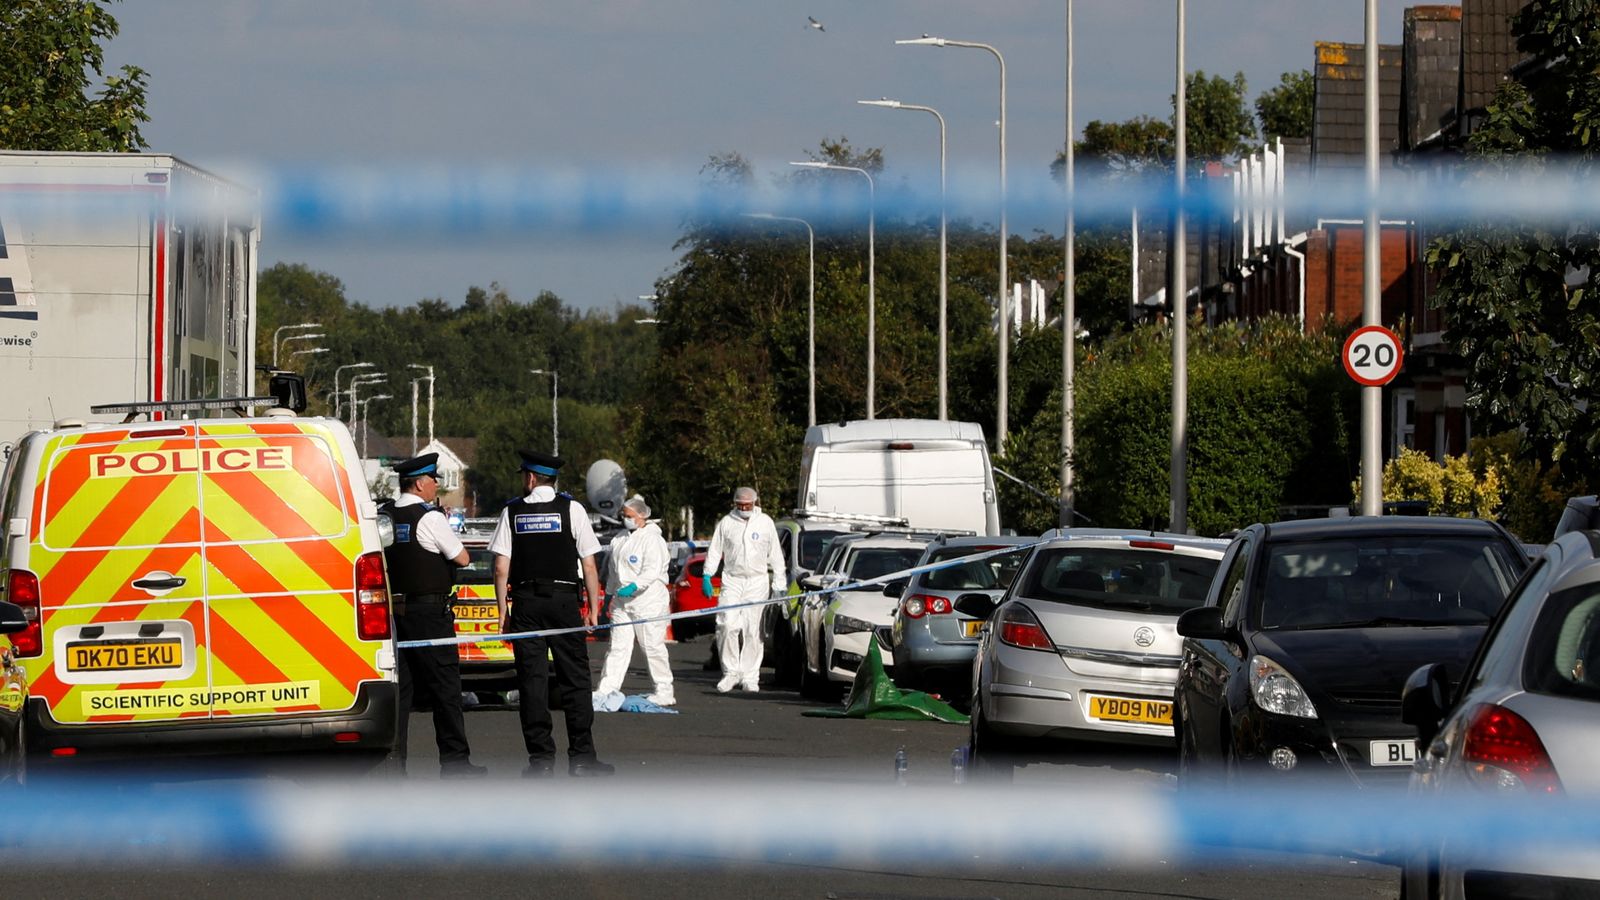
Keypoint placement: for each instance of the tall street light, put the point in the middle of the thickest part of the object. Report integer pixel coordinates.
(872, 277)
(357, 381)
(811, 310)
(364, 413)
(1069, 306)
(555, 408)
(281, 329)
(1179, 486)
(1005, 287)
(338, 398)
(429, 378)
(944, 281)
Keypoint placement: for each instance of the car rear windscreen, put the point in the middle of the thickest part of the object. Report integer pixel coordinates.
(1119, 578)
(1381, 581)
(992, 573)
(871, 562)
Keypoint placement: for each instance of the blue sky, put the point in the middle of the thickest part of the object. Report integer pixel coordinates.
(647, 89)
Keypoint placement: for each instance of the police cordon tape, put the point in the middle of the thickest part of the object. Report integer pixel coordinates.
(143, 822)
(713, 610)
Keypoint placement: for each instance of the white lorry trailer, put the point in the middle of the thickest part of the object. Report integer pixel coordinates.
(930, 473)
(123, 276)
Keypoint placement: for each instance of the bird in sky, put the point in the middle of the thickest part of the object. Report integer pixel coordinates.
(815, 24)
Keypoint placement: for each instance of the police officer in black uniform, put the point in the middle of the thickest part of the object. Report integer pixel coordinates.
(540, 545)
(422, 563)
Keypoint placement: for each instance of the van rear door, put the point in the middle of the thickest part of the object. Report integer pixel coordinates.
(282, 534)
(943, 487)
(115, 542)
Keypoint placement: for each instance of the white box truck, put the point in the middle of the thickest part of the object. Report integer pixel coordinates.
(123, 277)
(932, 474)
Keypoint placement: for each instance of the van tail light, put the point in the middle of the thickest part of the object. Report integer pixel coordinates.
(1020, 628)
(1504, 753)
(22, 588)
(372, 598)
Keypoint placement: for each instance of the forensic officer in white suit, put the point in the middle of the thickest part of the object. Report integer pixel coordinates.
(745, 546)
(637, 581)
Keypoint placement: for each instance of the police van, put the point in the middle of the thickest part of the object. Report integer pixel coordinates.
(197, 585)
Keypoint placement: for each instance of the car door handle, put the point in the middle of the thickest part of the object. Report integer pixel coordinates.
(160, 581)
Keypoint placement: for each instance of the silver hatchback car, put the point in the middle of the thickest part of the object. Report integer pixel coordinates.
(1085, 644)
(1524, 727)
(933, 643)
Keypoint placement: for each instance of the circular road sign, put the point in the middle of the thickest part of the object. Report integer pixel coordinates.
(1372, 355)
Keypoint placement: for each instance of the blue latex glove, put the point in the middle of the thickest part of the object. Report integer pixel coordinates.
(628, 590)
(705, 584)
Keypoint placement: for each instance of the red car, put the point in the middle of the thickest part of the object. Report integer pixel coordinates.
(686, 594)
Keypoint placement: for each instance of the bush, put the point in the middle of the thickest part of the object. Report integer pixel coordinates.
(1450, 488)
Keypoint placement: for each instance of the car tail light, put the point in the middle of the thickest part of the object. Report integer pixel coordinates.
(1503, 752)
(372, 598)
(1019, 628)
(22, 588)
(918, 605)
(347, 737)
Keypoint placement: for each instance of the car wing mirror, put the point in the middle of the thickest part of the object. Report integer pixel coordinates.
(1203, 623)
(12, 618)
(1424, 700)
(895, 588)
(978, 606)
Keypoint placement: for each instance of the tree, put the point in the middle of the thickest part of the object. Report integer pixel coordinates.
(1218, 123)
(52, 56)
(1120, 148)
(1286, 111)
(1522, 302)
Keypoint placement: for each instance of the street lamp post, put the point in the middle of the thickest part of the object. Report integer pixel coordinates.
(414, 381)
(309, 336)
(357, 381)
(811, 310)
(338, 399)
(944, 281)
(281, 329)
(872, 277)
(1179, 467)
(1069, 305)
(555, 408)
(1005, 287)
(364, 413)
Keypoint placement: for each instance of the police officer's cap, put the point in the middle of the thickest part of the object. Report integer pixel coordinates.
(426, 464)
(542, 463)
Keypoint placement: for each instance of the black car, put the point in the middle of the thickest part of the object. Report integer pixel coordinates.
(1296, 661)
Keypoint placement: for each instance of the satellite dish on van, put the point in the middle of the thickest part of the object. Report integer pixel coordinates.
(607, 488)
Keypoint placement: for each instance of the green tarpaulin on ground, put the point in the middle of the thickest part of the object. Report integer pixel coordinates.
(873, 695)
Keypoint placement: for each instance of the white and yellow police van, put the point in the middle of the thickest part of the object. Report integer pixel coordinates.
(197, 586)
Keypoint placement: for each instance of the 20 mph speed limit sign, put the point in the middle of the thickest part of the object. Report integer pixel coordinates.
(1372, 355)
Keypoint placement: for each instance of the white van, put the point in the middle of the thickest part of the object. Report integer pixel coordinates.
(933, 474)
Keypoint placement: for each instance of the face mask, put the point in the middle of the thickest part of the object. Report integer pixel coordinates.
(630, 523)
(744, 513)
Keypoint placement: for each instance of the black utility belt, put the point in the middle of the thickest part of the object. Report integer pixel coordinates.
(420, 599)
(546, 583)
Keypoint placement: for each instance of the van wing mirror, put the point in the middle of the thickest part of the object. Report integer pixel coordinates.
(1203, 623)
(1424, 700)
(385, 529)
(288, 391)
(976, 605)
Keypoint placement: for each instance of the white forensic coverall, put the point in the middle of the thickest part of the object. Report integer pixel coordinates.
(752, 570)
(638, 558)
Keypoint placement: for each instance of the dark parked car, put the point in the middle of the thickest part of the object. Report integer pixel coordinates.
(1311, 628)
(1525, 726)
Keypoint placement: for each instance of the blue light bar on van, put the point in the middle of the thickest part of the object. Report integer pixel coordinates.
(130, 410)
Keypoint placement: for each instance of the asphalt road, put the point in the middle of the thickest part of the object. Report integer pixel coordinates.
(711, 770)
